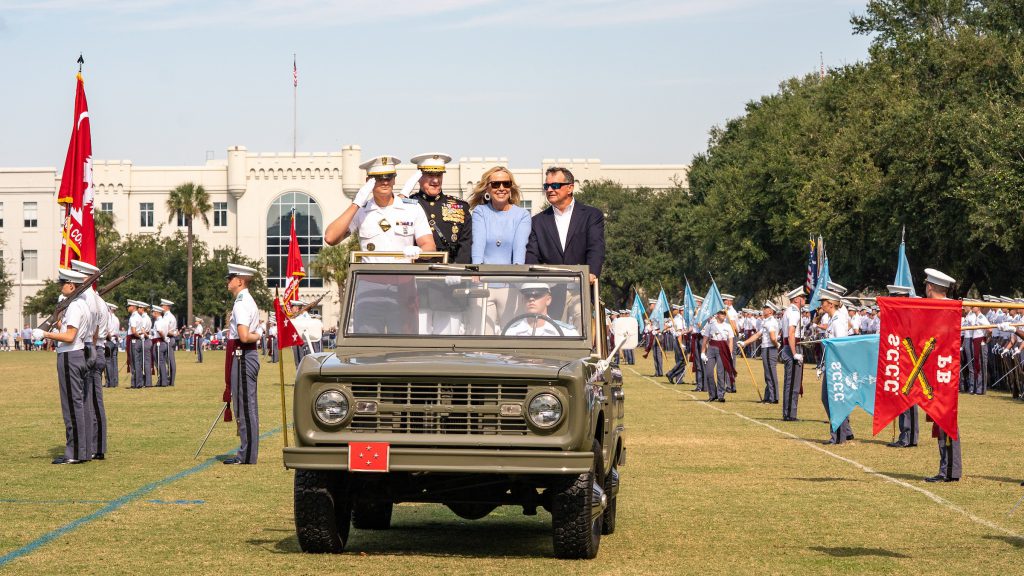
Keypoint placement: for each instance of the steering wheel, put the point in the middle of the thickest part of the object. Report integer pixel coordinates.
(545, 317)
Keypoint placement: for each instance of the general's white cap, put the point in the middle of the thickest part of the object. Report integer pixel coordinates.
(933, 276)
(240, 271)
(165, 302)
(431, 161)
(68, 275)
(381, 165)
(83, 267)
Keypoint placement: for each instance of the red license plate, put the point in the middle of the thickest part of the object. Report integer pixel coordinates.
(369, 456)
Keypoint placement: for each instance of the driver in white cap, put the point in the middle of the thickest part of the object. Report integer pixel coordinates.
(384, 222)
(536, 322)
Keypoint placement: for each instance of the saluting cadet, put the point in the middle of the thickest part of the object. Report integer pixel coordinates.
(95, 346)
(950, 462)
(792, 358)
(197, 339)
(160, 348)
(768, 333)
(908, 423)
(243, 362)
(718, 341)
(384, 223)
(171, 339)
(113, 329)
(72, 373)
(838, 327)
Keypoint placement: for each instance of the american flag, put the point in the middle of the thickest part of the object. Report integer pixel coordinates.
(295, 72)
(812, 269)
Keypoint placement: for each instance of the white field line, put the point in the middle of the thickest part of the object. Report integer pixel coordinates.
(866, 469)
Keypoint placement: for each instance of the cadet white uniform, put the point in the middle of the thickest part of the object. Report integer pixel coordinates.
(161, 330)
(389, 229)
(113, 329)
(770, 358)
(522, 327)
(172, 344)
(73, 379)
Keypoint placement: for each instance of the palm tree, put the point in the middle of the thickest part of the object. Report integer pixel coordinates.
(189, 200)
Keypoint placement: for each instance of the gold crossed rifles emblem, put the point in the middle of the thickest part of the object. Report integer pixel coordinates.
(916, 373)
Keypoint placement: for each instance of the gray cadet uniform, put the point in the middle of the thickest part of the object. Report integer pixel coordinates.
(73, 380)
(113, 329)
(197, 338)
(838, 327)
(172, 343)
(245, 369)
(793, 371)
(272, 342)
(98, 429)
(160, 334)
(770, 358)
(715, 331)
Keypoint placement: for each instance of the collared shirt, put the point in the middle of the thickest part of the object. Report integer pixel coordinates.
(562, 219)
(524, 328)
(718, 331)
(172, 323)
(77, 314)
(113, 325)
(839, 324)
(791, 318)
(160, 327)
(391, 228)
(769, 325)
(244, 312)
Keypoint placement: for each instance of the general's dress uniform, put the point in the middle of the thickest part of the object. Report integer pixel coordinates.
(72, 378)
(113, 329)
(793, 370)
(243, 362)
(95, 347)
(171, 339)
(450, 221)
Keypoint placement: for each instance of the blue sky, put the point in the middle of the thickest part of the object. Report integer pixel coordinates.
(624, 81)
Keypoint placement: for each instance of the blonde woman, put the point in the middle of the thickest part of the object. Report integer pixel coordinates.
(501, 229)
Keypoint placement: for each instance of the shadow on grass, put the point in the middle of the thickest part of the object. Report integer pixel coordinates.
(904, 476)
(1011, 540)
(849, 552)
(460, 539)
(1000, 479)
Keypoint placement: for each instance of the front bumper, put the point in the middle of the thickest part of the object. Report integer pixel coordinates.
(451, 460)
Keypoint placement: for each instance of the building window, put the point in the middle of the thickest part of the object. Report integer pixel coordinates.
(31, 214)
(146, 214)
(308, 230)
(30, 264)
(182, 221)
(107, 207)
(527, 205)
(220, 214)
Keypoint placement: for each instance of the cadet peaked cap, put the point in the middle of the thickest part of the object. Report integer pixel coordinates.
(768, 304)
(897, 290)
(298, 303)
(431, 161)
(837, 288)
(68, 275)
(624, 312)
(240, 271)
(111, 306)
(83, 267)
(534, 286)
(933, 276)
(141, 304)
(832, 296)
(381, 165)
(728, 297)
(165, 302)
(797, 292)
(805, 309)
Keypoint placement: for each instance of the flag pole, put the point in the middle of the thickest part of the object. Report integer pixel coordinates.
(280, 371)
(295, 112)
(643, 309)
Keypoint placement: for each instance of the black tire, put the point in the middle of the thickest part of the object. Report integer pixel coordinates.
(372, 515)
(470, 510)
(611, 488)
(576, 531)
(322, 511)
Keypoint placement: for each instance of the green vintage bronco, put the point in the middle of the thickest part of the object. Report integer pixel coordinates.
(468, 386)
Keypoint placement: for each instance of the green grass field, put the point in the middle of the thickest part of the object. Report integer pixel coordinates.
(708, 489)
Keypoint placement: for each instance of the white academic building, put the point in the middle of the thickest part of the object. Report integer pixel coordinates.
(252, 195)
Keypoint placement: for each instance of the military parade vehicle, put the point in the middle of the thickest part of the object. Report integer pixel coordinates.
(468, 386)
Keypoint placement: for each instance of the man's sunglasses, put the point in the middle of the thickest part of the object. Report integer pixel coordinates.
(385, 178)
(556, 185)
(495, 184)
(534, 294)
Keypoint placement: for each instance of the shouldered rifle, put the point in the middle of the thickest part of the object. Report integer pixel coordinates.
(118, 281)
(63, 305)
(311, 305)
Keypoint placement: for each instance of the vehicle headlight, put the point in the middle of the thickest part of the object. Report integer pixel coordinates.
(331, 407)
(545, 410)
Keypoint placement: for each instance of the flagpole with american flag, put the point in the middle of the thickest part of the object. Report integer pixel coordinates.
(812, 268)
(295, 104)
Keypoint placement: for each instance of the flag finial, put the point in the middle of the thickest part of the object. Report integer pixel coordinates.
(80, 62)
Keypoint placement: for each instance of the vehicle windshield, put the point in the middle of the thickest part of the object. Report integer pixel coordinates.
(502, 306)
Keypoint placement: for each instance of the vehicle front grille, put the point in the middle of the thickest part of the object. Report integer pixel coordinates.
(431, 408)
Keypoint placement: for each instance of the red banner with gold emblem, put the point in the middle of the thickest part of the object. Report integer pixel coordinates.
(296, 270)
(918, 360)
(76, 193)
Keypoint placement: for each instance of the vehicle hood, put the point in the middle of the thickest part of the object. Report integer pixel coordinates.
(531, 364)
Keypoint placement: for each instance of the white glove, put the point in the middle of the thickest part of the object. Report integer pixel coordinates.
(1005, 327)
(817, 372)
(703, 357)
(412, 181)
(452, 280)
(799, 358)
(37, 334)
(1016, 352)
(364, 193)
(412, 252)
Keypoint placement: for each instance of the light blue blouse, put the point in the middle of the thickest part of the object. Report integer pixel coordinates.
(500, 237)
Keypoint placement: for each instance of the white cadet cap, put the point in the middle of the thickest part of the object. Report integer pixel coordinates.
(111, 306)
(728, 297)
(381, 165)
(83, 267)
(1006, 299)
(805, 309)
(897, 290)
(933, 276)
(768, 304)
(68, 275)
(431, 161)
(298, 303)
(534, 286)
(240, 271)
(141, 304)
(837, 288)
(165, 302)
(832, 296)
(797, 292)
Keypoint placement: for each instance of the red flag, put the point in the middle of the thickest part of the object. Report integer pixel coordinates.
(918, 360)
(369, 456)
(296, 270)
(287, 335)
(76, 193)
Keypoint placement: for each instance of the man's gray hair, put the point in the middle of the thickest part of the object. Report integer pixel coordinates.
(563, 171)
